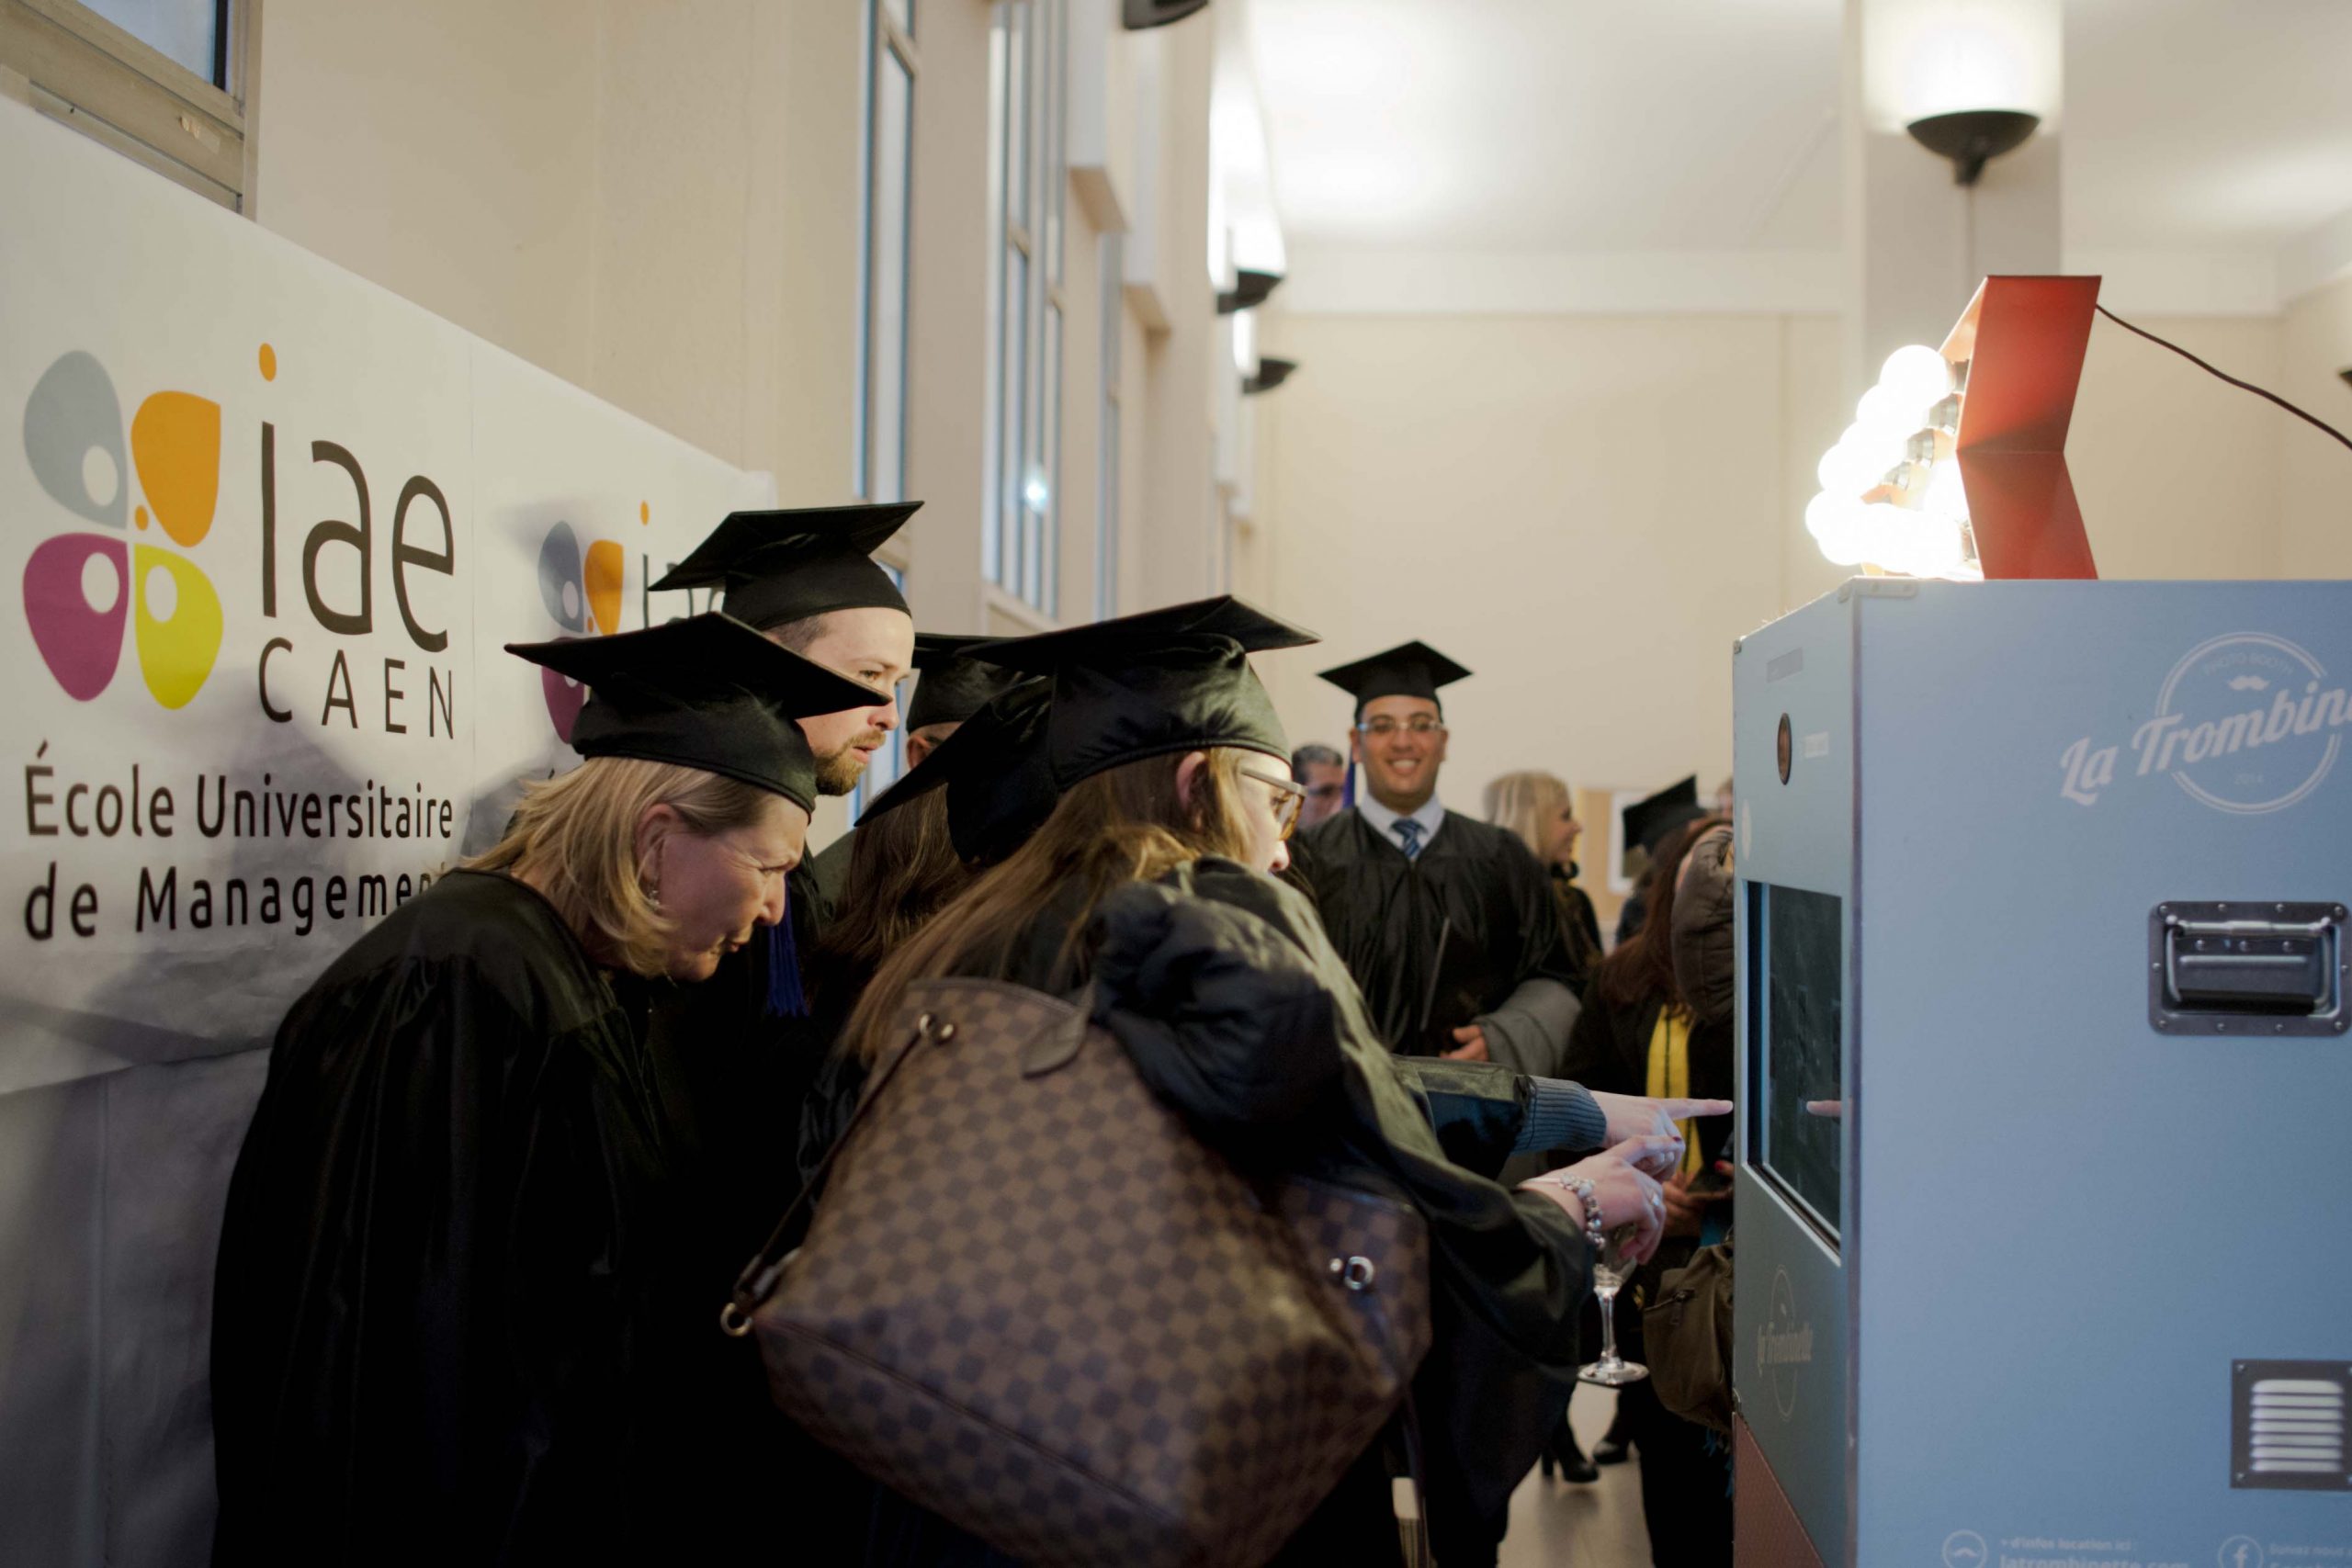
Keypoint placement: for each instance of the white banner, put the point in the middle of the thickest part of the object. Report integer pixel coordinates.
(271, 525)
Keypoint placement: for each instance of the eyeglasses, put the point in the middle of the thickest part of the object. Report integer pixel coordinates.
(1384, 726)
(1289, 798)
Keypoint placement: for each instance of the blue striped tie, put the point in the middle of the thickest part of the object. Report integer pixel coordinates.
(1410, 831)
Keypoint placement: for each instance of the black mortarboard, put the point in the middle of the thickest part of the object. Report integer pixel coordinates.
(779, 567)
(707, 692)
(1410, 669)
(998, 774)
(1647, 822)
(1164, 681)
(954, 685)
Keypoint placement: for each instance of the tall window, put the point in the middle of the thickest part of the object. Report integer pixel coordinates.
(878, 465)
(1021, 513)
(162, 81)
(1106, 502)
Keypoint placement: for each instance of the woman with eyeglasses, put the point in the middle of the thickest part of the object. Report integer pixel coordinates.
(1150, 879)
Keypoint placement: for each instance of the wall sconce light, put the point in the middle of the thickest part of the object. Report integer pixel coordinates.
(1250, 290)
(1271, 373)
(1137, 15)
(1974, 138)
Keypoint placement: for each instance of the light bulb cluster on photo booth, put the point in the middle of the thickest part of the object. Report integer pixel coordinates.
(1891, 491)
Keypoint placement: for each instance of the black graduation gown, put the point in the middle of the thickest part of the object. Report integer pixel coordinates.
(732, 1076)
(431, 1316)
(1385, 914)
(734, 1079)
(829, 878)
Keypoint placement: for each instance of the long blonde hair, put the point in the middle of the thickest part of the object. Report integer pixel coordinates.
(1130, 823)
(574, 839)
(1527, 803)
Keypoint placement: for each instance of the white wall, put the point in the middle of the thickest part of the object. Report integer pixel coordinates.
(660, 203)
(2177, 472)
(447, 150)
(1588, 509)
(2315, 474)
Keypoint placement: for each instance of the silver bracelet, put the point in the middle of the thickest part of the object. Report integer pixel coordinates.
(1596, 1236)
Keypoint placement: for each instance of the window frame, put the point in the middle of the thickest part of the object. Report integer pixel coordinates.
(85, 72)
(1111, 431)
(1028, 310)
(887, 44)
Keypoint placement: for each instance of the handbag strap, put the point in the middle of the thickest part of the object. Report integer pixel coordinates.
(758, 1280)
(1413, 1534)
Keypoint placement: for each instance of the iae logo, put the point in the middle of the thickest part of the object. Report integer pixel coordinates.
(583, 595)
(82, 589)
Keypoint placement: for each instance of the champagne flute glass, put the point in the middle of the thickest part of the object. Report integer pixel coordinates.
(1610, 1271)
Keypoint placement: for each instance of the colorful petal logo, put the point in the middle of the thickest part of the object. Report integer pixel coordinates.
(583, 595)
(81, 590)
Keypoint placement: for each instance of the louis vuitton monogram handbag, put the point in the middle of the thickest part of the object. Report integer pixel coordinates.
(1034, 1304)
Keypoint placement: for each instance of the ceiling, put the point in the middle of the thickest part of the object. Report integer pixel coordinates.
(1584, 126)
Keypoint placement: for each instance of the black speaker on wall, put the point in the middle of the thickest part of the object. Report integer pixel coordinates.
(1271, 373)
(1137, 15)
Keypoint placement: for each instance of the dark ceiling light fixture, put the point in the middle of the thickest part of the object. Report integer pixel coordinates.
(1250, 290)
(1137, 15)
(1974, 138)
(1271, 373)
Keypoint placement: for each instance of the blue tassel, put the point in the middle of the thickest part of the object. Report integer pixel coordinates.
(785, 997)
(1348, 790)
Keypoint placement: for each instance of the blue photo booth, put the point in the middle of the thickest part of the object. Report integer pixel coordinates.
(2045, 1234)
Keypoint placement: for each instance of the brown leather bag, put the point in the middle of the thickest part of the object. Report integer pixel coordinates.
(1686, 1335)
(1034, 1304)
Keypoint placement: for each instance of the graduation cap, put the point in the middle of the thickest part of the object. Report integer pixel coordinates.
(1408, 669)
(1149, 684)
(1647, 822)
(707, 692)
(997, 771)
(954, 685)
(780, 567)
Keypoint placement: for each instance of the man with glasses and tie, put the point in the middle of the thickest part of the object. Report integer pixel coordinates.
(1447, 923)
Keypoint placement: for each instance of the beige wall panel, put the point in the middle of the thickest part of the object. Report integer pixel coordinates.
(670, 274)
(447, 149)
(1813, 413)
(948, 309)
(2177, 472)
(1134, 428)
(1584, 510)
(1077, 487)
(2314, 473)
(1179, 541)
(801, 254)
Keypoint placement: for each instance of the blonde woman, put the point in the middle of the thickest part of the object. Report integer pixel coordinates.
(1538, 808)
(430, 1312)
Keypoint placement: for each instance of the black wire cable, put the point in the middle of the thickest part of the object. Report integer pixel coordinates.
(2242, 386)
